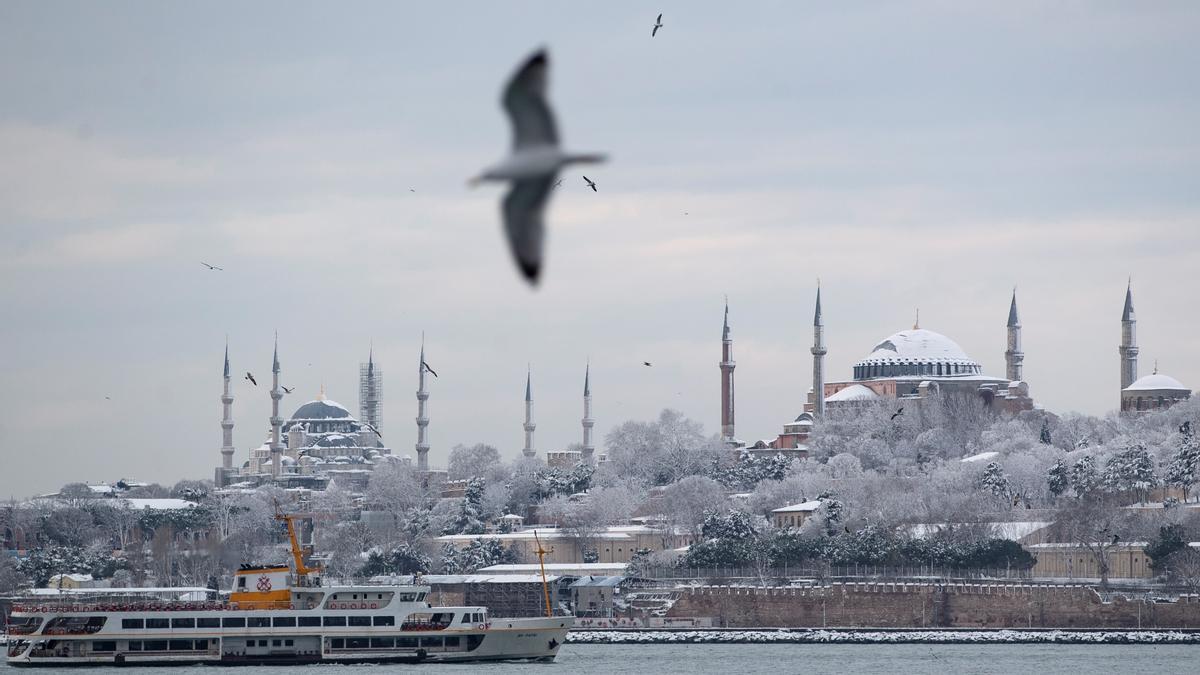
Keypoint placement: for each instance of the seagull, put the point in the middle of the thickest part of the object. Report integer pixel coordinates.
(107, 398)
(251, 378)
(533, 165)
(558, 183)
(646, 363)
(591, 183)
(211, 267)
(285, 389)
(428, 369)
(657, 24)
(897, 413)
(376, 431)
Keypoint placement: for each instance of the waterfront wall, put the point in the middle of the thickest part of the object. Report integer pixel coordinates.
(900, 605)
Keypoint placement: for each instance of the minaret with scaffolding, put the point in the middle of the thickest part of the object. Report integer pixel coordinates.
(370, 392)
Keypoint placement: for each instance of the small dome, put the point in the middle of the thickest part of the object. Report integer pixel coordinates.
(855, 392)
(1156, 382)
(321, 410)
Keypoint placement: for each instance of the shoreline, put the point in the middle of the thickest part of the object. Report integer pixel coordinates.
(886, 636)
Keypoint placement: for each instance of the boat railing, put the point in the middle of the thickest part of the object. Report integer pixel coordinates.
(114, 606)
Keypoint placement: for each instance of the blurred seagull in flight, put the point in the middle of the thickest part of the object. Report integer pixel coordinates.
(286, 390)
(657, 24)
(211, 267)
(646, 363)
(591, 183)
(533, 165)
(251, 378)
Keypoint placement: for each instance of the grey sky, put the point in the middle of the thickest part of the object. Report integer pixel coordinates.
(908, 154)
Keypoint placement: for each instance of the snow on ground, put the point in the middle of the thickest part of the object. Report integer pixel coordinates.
(867, 636)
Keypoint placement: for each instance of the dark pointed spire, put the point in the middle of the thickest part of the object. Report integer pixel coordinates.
(817, 314)
(528, 387)
(1012, 311)
(226, 356)
(587, 372)
(725, 327)
(275, 357)
(1127, 314)
(371, 359)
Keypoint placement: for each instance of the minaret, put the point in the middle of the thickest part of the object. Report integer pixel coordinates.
(370, 393)
(1013, 356)
(818, 351)
(422, 413)
(227, 418)
(1128, 348)
(276, 420)
(588, 422)
(727, 366)
(529, 425)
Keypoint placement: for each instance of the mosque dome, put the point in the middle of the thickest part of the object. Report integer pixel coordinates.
(916, 352)
(1157, 382)
(321, 409)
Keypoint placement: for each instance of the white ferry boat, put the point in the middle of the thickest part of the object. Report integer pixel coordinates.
(273, 615)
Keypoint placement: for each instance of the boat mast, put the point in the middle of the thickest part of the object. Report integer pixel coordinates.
(302, 570)
(541, 554)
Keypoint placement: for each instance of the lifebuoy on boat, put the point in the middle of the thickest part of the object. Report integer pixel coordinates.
(374, 605)
(481, 627)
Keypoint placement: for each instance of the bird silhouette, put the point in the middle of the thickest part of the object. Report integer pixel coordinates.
(107, 398)
(557, 183)
(376, 431)
(286, 390)
(429, 370)
(211, 267)
(251, 378)
(1115, 539)
(847, 529)
(590, 183)
(646, 363)
(657, 24)
(533, 165)
(897, 413)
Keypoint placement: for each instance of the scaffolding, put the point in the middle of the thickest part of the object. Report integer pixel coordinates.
(370, 394)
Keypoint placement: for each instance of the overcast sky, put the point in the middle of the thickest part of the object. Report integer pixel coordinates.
(927, 155)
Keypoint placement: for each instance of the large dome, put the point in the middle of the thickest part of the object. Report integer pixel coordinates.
(916, 352)
(1157, 381)
(322, 409)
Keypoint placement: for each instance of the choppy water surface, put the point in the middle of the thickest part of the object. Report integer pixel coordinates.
(790, 658)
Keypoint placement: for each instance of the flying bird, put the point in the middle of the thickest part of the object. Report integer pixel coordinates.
(376, 431)
(897, 413)
(428, 369)
(657, 24)
(646, 363)
(590, 183)
(251, 378)
(211, 267)
(533, 165)
(558, 183)
(107, 398)
(285, 389)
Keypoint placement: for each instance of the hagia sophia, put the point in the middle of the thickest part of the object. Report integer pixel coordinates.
(322, 439)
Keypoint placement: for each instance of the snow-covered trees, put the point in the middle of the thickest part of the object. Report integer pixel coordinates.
(663, 451)
(729, 540)
(1130, 470)
(1183, 469)
(1058, 479)
(686, 504)
(469, 518)
(403, 558)
(478, 554)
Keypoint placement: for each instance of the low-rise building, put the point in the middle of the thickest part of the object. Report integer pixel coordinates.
(1076, 561)
(794, 515)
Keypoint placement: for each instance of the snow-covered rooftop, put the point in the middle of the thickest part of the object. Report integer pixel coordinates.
(803, 507)
(1156, 381)
(918, 346)
(855, 392)
(981, 457)
(604, 569)
(158, 504)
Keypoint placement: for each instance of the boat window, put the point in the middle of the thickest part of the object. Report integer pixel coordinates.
(434, 642)
(233, 622)
(258, 621)
(155, 645)
(408, 597)
(288, 643)
(385, 620)
(132, 624)
(420, 597)
(276, 643)
(466, 618)
(158, 623)
(201, 644)
(309, 621)
(284, 621)
(360, 621)
(187, 622)
(104, 646)
(335, 621)
(452, 641)
(379, 596)
(208, 622)
(179, 645)
(473, 642)
(337, 643)
(262, 643)
(135, 645)
(241, 582)
(406, 643)
(382, 643)
(357, 643)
